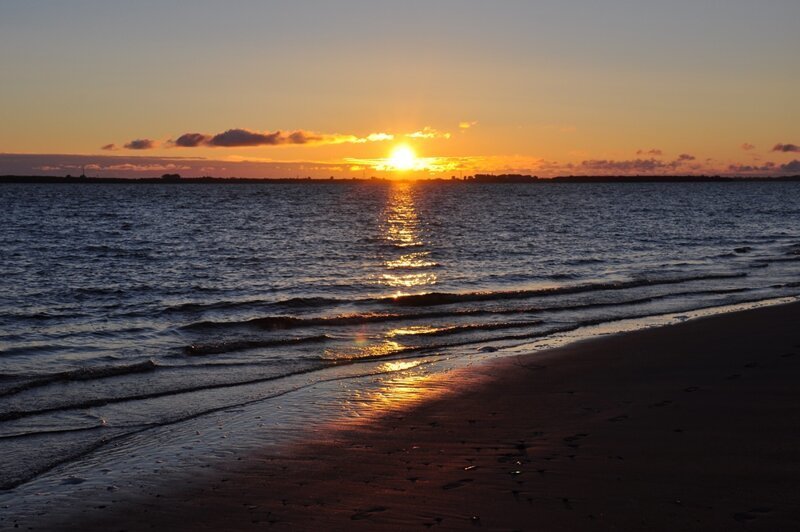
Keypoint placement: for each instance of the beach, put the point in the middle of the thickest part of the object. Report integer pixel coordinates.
(694, 426)
(389, 266)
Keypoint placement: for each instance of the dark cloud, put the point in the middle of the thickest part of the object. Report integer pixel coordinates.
(786, 148)
(792, 167)
(140, 144)
(654, 152)
(686, 157)
(747, 146)
(109, 147)
(747, 168)
(242, 137)
(191, 140)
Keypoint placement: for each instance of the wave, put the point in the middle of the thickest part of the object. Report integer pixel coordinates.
(291, 322)
(438, 298)
(8, 484)
(459, 329)
(102, 401)
(217, 348)
(420, 351)
(445, 298)
(81, 374)
(217, 305)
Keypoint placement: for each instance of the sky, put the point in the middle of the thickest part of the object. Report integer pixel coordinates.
(435, 88)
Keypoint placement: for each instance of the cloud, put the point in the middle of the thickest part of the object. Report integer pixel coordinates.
(636, 165)
(748, 168)
(140, 144)
(786, 148)
(376, 137)
(654, 152)
(686, 157)
(428, 133)
(467, 124)
(233, 138)
(133, 167)
(303, 137)
(792, 167)
(191, 140)
(109, 147)
(747, 146)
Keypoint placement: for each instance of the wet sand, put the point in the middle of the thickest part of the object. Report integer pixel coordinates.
(688, 427)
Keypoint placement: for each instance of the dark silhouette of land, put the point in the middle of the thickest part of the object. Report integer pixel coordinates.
(476, 179)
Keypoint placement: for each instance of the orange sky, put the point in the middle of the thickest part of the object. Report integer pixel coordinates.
(545, 88)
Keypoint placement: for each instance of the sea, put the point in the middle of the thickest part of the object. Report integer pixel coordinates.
(153, 323)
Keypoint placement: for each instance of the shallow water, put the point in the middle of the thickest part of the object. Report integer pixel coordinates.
(127, 308)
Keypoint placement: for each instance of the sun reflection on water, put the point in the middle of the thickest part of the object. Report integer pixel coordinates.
(406, 331)
(355, 352)
(402, 231)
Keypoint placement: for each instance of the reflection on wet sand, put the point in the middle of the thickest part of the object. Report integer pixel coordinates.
(402, 384)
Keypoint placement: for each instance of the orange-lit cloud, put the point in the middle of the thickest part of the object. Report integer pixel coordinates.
(374, 137)
(428, 133)
(467, 125)
(747, 146)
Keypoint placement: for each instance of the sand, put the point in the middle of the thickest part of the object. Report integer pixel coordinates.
(687, 427)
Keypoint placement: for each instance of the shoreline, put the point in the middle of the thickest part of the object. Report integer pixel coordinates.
(701, 433)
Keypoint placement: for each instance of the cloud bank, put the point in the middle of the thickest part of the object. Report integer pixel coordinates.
(247, 138)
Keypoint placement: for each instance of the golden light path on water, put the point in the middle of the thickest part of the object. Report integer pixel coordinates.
(401, 230)
(407, 269)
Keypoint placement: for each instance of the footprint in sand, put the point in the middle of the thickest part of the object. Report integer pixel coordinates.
(366, 514)
(750, 515)
(457, 484)
(576, 437)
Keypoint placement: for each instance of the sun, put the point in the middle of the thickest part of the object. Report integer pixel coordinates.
(402, 158)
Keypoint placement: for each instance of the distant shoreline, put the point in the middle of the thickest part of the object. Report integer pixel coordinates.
(478, 179)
